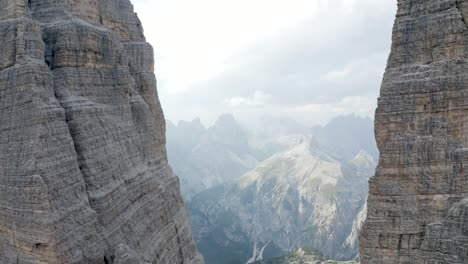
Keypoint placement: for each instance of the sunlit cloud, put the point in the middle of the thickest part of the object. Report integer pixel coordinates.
(258, 99)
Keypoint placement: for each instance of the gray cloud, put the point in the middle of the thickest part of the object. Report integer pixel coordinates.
(310, 72)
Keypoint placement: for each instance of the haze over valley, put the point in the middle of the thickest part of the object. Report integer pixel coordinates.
(259, 192)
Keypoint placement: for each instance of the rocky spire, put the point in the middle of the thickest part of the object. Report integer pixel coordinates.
(83, 166)
(417, 207)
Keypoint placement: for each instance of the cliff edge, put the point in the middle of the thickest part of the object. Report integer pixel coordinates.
(417, 206)
(84, 176)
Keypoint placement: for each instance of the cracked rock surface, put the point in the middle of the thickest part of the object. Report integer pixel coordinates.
(417, 206)
(84, 176)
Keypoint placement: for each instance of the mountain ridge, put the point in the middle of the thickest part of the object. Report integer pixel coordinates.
(277, 202)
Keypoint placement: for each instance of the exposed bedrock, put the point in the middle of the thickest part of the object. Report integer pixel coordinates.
(415, 208)
(84, 176)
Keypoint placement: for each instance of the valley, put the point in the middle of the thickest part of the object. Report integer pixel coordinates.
(280, 189)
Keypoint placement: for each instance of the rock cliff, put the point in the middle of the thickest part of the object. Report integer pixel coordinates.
(84, 176)
(417, 207)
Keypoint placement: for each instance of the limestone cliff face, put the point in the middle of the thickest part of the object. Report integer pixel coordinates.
(417, 207)
(83, 166)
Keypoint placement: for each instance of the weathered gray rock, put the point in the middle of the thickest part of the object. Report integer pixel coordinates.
(125, 255)
(422, 132)
(447, 241)
(83, 163)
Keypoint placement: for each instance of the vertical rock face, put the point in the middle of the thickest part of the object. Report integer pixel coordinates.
(417, 207)
(83, 166)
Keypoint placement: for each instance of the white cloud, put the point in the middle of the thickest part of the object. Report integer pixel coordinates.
(337, 75)
(322, 113)
(193, 39)
(258, 99)
(371, 65)
(297, 57)
(349, 5)
(352, 104)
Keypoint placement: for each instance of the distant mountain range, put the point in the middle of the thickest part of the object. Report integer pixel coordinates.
(263, 191)
(345, 136)
(204, 158)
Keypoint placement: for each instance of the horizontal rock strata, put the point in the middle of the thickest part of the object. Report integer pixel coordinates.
(83, 166)
(415, 208)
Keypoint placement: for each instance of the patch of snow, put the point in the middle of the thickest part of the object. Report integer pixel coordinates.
(254, 256)
(260, 256)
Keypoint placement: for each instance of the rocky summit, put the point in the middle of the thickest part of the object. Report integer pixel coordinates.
(418, 200)
(84, 176)
(206, 157)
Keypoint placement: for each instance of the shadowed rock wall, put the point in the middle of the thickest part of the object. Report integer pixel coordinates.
(83, 166)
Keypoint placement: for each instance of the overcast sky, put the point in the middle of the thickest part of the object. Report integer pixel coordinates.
(306, 59)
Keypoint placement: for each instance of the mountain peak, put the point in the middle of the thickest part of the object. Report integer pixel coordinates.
(195, 124)
(226, 120)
